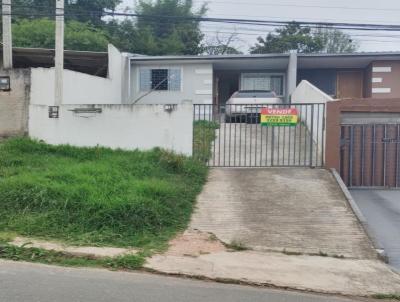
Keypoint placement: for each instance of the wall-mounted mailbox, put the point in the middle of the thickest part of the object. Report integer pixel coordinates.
(54, 111)
(5, 83)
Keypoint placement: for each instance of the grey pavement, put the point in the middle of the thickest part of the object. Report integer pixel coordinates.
(293, 209)
(381, 208)
(20, 282)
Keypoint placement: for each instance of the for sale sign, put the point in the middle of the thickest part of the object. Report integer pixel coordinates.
(279, 117)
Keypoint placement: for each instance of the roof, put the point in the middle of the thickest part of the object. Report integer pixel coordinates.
(277, 60)
(95, 63)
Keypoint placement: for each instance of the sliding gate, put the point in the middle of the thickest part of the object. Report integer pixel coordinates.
(370, 155)
(233, 136)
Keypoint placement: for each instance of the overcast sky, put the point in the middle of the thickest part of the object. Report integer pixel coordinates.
(355, 11)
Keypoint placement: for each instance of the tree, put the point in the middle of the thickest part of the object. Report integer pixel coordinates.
(40, 33)
(335, 41)
(82, 10)
(220, 45)
(292, 36)
(175, 35)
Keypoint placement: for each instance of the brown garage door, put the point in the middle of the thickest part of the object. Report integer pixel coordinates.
(370, 155)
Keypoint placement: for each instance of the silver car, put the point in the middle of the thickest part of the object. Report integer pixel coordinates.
(245, 105)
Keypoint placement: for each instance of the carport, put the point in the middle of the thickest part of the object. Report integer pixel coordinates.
(255, 72)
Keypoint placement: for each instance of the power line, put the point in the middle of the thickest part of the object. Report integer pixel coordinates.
(304, 6)
(355, 26)
(338, 25)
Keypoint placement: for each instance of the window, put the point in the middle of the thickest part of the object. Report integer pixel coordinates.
(262, 81)
(160, 79)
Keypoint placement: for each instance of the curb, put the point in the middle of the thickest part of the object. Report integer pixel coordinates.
(361, 218)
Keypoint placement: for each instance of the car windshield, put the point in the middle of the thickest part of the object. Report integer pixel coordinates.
(254, 94)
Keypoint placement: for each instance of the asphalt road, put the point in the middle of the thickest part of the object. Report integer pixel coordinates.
(35, 282)
(381, 208)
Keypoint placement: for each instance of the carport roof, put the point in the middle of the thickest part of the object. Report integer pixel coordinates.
(90, 62)
(276, 61)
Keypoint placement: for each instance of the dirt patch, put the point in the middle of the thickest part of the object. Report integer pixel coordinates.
(195, 243)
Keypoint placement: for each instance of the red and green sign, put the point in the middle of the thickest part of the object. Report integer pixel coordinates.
(279, 117)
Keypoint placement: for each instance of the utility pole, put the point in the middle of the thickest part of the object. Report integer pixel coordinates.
(59, 58)
(7, 36)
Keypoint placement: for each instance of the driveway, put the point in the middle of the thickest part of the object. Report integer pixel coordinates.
(298, 210)
(381, 208)
(278, 225)
(252, 145)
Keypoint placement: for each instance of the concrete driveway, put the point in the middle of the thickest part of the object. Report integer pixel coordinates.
(251, 145)
(280, 209)
(381, 208)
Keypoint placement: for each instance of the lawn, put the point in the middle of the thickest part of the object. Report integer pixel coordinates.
(96, 196)
(203, 136)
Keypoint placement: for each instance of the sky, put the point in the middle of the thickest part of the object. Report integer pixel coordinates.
(355, 11)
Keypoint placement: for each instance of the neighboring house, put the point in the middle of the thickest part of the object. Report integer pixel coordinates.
(23, 84)
(213, 79)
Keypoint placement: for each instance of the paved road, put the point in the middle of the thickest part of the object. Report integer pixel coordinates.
(33, 282)
(381, 208)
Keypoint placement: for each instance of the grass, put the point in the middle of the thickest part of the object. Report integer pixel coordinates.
(204, 135)
(393, 297)
(96, 196)
(15, 253)
(237, 246)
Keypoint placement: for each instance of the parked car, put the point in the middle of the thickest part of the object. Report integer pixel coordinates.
(245, 105)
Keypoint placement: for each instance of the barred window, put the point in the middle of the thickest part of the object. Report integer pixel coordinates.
(160, 79)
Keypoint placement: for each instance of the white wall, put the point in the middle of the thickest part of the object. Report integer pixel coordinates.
(308, 93)
(118, 126)
(80, 88)
(197, 84)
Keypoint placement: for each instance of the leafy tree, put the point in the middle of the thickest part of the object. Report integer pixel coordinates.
(336, 41)
(40, 33)
(171, 35)
(293, 36)
(82, 10)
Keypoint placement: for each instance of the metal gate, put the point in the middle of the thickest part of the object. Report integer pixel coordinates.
(232, 136)
(370, 155)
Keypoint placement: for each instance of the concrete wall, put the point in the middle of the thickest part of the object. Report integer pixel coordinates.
(385, 79)
(80, 88)
(308, 93)
(118, 126)
(196, 86)
(14, 103)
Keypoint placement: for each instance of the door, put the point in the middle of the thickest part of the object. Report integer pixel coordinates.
(349, 85)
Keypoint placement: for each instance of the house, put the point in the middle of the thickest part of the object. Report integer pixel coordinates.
(110, 97)
(213, 79)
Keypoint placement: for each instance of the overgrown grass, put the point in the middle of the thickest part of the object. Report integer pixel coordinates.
(96, 196)
(204, 135)
(392, 297)
(52, 257)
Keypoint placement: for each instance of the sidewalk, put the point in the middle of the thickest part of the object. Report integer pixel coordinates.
(211, 260)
